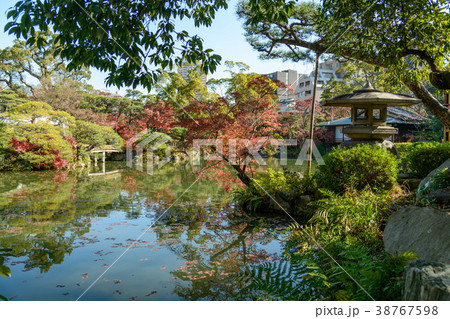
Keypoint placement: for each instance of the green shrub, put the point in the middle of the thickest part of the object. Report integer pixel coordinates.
(178, 133)
(441, 180)
(425, 157)
(313, 276)
(404, 149)
(158, 143)
(256, 197)
(89, 135)
(36, 137)
(357, 168)
(361, 215)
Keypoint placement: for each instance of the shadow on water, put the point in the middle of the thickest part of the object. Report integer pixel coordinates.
(60, 230)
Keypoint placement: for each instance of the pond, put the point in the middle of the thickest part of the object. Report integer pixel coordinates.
(127, 235)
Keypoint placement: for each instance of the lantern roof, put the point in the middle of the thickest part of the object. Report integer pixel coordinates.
(370, 96)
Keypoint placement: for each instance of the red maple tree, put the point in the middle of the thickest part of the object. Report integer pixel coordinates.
(237, 121)
(156, 116)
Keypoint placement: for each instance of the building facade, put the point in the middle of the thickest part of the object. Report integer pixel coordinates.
(302, 84)
(327, 71)
(288, 77)
(185, 68)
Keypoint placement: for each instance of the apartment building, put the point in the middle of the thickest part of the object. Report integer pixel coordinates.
(185, 68)
(302, 84)
(289, 77)
(327, 71)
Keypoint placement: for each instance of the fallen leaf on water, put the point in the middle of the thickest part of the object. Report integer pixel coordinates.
(84, 276)
(65, 293)
(13, 297)
(24, 281)
(117, 292)
(117, 281)
(104, 265)
(155, 249)
(133, 298)
(163, 267)
(78, 285)
(152, 293)
(143, 259)
(39, 277)
(60, 286)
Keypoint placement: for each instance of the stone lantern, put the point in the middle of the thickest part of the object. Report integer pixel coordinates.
(369, 114)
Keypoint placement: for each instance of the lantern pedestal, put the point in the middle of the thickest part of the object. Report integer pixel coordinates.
(369, 132)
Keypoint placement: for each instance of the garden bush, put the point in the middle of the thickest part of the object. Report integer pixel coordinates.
(35, 146)
(358, 214)
(425, 157)
(313, 276)
(357, 168)
(255, 197)
(404, 149)
(34, 136)
(90, 135)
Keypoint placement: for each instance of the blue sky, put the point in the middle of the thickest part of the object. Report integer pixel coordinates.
(225, 37)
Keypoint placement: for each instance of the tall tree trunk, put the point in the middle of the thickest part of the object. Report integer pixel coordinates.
(430, 102)
(242, 175)
(117, 121)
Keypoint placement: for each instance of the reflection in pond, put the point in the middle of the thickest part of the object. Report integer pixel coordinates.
(59, 231)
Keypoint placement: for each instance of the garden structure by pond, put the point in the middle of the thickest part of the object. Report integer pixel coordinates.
(60, 230)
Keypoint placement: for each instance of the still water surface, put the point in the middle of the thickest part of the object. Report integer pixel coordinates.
(60, 231)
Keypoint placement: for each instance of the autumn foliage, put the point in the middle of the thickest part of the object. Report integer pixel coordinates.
(158, 116)
(237, 121)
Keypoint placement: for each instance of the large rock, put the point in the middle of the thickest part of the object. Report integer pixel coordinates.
(426, 181)
(423, 230)
(439, 196)
(426, 281)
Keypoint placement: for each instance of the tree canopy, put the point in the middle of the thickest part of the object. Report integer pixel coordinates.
(91, 135)
(22, 62)
(10, 98)
(408, 39)
(32, 135)
(121, 37)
